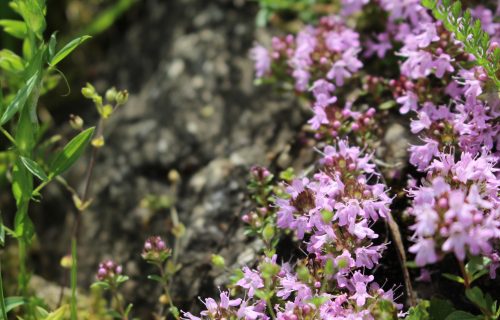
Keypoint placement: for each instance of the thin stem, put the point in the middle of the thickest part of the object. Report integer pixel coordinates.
(270, 308)
(2, 297)
(400, 249)
(119, 303)
(74, 268)
(8, 136)
(76, 225)
(465, 275)
(22, 267)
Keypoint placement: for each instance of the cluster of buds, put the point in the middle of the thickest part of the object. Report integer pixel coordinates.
(108, 271)
(261, 190)
(105, 107)
(155, 250)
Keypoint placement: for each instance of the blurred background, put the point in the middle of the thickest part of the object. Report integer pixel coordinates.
(182, 145)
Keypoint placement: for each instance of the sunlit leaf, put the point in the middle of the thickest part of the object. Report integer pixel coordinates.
(67, 49)
(71, 152)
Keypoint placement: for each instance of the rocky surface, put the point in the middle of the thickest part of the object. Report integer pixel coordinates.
(194, 109)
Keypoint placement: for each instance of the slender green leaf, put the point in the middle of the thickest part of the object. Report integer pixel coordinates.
(100, 284)
(453, 277)
(2, 232)
(155, 277)
(71, 152)
(67, 49)
(52, 45)
(11, 303)
(58, 314)
(19, 100)
(15, 28)
(34, 168)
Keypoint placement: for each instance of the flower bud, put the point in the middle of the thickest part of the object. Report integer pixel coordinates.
(75, 122)
(218, 261)
(98, 142)
(88, 91)
(66, 261)
(111, 94)
(108, 271)
(155, 250)
(122, 97)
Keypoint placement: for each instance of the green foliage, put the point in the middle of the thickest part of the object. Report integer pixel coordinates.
(66, 50)
(468, 31)
(25, 76)
(419, 312)
(70, 153)
(305, 9)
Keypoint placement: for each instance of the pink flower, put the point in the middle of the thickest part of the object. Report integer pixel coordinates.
(251, 281)
(262, 60)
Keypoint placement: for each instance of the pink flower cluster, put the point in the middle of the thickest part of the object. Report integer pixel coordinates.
(456, 207)
(108, 270)
(329, 50)
(332, 214)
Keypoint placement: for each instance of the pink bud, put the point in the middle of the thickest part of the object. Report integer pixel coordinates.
(246, 218)
(370, 112)
(443, 203)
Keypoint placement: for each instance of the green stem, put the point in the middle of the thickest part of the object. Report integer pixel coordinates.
(270, 308)
(465, 275)
(23, 283)
(8, 136)
(119, 303)
(74, 268)
(2, 298)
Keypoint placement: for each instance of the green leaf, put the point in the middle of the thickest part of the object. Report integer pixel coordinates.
(429, 4)
(2, 232)
(462, 315)
(440, 309)
(419, 312)
(19, 100)
(100, 284)
(453, 277)
(58, 314)
(121, 279)
(115, 314)
(155, 277)
(11, 303)
(34, 168)
(15, 28)
(174, 311)
(11, 62)
(67, 49)
(476, 296)
(52, 45)
(456, 9)
(33, 14)
(128, 309)
(387, 105)
(71, 152)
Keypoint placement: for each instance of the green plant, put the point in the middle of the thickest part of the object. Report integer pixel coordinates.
(468, 31)
(24, 78)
